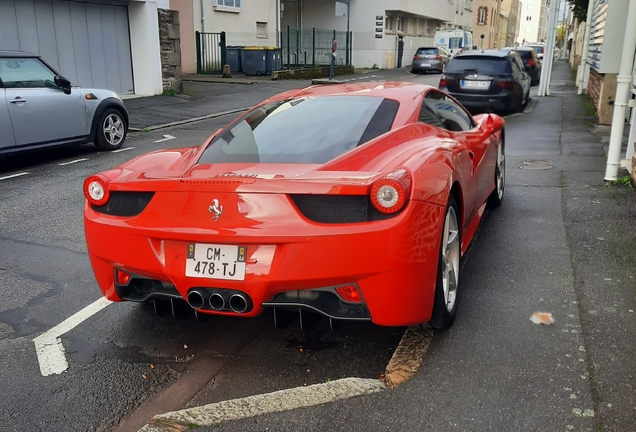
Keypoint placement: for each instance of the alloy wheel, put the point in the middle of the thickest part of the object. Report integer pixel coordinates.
(450, 258)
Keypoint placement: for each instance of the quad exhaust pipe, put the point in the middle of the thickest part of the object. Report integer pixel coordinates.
(217, 300)
(238, 303)
(197, 298)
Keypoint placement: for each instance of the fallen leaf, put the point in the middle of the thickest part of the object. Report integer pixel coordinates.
(542, 318)
(185, 346)
(301, 350)
(144, 377)
(152, 366)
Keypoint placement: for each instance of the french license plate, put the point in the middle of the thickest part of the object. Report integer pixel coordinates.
(475, 84)
(426, 65)
(215, 261)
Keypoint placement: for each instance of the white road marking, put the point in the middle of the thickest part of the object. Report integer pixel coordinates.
(166, 138)
(49, 348)
(122, 150)
(73, 161)
(13, 175)
(405, 362)
(283, 400)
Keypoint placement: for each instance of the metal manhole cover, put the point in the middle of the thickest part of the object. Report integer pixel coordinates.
(537, 165)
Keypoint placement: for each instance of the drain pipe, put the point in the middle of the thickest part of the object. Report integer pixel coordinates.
(202, 18)
(584, 67)
(623, 83)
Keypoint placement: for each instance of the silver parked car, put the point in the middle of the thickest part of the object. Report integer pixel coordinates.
(40, 109)
(430, 59)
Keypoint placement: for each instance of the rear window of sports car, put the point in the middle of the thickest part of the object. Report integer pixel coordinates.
(305, 130)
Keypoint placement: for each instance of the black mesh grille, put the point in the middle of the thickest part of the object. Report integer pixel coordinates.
(325, 302)
(125, 203)
(334, 209)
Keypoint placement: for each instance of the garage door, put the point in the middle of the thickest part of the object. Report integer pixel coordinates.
(88, 43)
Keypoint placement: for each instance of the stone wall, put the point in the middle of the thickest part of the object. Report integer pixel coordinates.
(170, 43)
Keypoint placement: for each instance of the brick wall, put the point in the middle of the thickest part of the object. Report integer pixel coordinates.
(595, 86)
(602, 90)
(170, 42)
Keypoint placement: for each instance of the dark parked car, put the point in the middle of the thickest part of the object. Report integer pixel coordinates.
(493, 80)
(430, 58)
(40, 109)
(531, 62)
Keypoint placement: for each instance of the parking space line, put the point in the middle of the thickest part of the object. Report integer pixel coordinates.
(48, 346)
(13, 176)
(74, 161)
(122, 150)
(283, 400)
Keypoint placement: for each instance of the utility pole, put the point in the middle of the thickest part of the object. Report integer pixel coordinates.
(548, 55)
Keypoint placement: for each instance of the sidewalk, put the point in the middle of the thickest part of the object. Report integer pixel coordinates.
(562, 242)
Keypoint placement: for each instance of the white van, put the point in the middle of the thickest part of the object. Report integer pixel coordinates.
(454, 40)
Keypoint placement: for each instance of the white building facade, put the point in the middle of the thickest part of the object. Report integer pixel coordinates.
(377, 25)
(533, 21)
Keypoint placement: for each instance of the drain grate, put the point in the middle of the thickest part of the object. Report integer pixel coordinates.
(537, 165)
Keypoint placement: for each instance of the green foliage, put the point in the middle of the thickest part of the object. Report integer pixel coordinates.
(145, 130)
(623, 181)
(579, 9)
(193, 426)
(169, 92)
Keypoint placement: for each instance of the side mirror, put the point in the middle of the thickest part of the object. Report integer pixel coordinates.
(64, 83)
(489, 122)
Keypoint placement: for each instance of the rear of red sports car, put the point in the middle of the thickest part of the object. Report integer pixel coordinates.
(284, 208)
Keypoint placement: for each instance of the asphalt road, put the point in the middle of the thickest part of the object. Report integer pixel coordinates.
(561, 242)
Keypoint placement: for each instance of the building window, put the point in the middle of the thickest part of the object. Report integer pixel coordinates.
(400, 23)
(528, 29)
(229, 3)
(530, 7)
(390, 22)
(482, 15)
(529, 18)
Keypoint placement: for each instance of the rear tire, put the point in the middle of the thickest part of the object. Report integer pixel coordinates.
(496, 197)
(445, 302)
(111, 130)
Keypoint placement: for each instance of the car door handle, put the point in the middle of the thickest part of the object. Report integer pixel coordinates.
(18, 100)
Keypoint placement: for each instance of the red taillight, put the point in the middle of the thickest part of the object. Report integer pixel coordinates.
(123, 277)
(96, 190)
(444, 82)
(390, 193)
(415, 57)
(506, 84)
(438, 57)
(349, 293)
(531, 63)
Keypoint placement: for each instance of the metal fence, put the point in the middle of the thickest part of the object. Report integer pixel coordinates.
(211, 52)
(313, 47)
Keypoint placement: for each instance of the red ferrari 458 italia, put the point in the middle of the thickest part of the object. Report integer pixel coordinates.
(353, 201)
